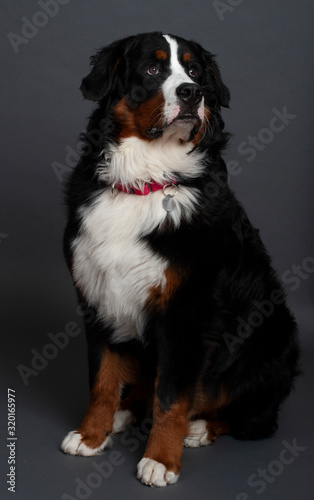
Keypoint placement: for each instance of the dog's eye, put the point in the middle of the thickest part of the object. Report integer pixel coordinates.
(153, 70)
(193, 72)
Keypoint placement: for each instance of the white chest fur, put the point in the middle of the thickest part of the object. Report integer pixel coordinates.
(112, 265)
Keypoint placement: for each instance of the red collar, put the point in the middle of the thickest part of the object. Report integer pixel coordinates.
(149, 187)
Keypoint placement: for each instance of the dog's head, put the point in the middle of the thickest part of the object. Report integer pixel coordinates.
(157, 85)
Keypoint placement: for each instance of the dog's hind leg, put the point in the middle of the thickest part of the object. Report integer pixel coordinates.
(203, 432)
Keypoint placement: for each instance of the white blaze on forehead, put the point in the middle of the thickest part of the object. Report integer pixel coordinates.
(177, 76)
(177, 70)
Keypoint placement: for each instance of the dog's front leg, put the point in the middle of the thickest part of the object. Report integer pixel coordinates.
(103, 416)
(161, 462)
(179, 368)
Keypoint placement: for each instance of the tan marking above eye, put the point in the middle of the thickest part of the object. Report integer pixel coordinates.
(187, 57)
(161, 55)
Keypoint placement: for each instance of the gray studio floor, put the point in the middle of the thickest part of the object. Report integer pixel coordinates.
(55, 400)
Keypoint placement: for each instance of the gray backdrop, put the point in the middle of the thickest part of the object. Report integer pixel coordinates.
(265, 52)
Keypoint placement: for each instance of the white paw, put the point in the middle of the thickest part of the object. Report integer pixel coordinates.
(198, 433)
(153, 473)
(72, 444)
(122, 420)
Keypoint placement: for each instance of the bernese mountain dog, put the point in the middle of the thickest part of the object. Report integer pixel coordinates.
(186, 320)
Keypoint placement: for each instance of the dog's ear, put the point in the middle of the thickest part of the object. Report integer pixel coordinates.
(105, 73)
(222, 91)
(214, 76)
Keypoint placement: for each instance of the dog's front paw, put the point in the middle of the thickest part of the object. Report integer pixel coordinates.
(73, 445)
(154, 473)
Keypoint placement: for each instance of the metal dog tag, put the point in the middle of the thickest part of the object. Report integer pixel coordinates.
(168, 203)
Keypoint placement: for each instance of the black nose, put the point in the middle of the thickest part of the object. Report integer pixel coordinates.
(190, 93)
